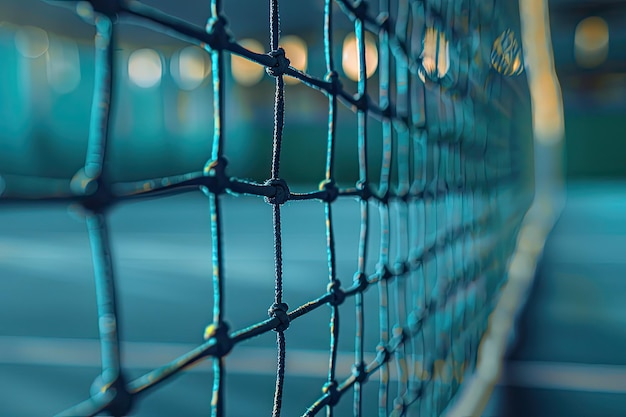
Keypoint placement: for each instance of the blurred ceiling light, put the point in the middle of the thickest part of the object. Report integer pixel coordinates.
(350, 56)
(145, 68)
(296, 50)
(31, 42)
(190, 66)
(435, 55)
(591, 42)
(246, 72)
(63, 66)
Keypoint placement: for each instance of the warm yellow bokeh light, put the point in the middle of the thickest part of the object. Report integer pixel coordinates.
(189, 67)
(435, 55)
(246, 72)
(591, 42)
(350, 56)
(145, 68)
(506, 54)
(296, 51)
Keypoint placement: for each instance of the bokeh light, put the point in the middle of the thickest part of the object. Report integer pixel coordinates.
(297, 52)
(591, 42)
(189, 67)
(506, 54)
(435, 55)
(350, 56)
(246, 72)
(145, 68)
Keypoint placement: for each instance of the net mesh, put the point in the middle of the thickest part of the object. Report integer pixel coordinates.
(455, 181)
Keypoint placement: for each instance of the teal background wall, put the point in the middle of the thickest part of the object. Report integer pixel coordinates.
(596, 145)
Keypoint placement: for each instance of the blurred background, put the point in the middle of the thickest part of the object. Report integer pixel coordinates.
(568, 359)
(163, 100)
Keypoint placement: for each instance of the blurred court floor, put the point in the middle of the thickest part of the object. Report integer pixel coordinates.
(570, 359)
(49, 350)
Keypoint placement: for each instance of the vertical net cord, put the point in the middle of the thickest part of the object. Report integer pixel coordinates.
(451, 271)
(459, 256)
(416, 218)
(101, 104)
(279, 112)
(364, 227)
(217, 63)
(217, 402)
(96, 221)
(403, 222)
(469, 297)
(384, 190)
(329, 181)
(429, 264)
(440, 273)
(431, 271)
(106, 300)
(96, 224)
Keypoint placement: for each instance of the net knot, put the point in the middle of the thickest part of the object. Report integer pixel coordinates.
(399, 406)
(279, 311)
(219, 334)
(120, 401)
(382, 353)
(361, 281)
(83, 184)
(281, 191)
(384, 272)
(216, 169)
(330, 389)
(400, 268)
(217, 27)
(400, 334)
(96, 196)
(384, 197)
(414, 322)
(330, 189)
(415, 259)
(335, 83)
(384, 21)
(337, 295)
(361, 101)
(403, 195)
(281, 65)
(387, 111)
(364, 190)
(359, 372)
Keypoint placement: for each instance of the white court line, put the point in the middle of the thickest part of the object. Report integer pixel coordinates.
(248, 360)
(566, 376)
(43, 351)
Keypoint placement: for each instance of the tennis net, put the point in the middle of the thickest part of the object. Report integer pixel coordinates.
(452, 109)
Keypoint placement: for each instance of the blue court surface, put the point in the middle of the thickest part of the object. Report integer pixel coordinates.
(569, 359)
(49, 352)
